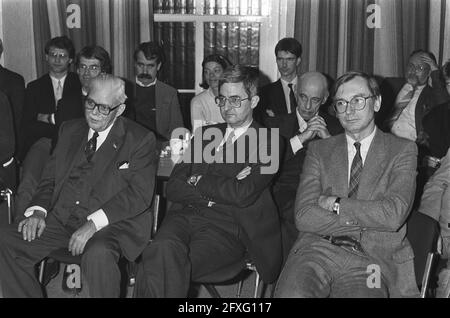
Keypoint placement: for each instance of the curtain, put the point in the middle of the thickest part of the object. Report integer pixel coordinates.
(117, 25)
(337, 35)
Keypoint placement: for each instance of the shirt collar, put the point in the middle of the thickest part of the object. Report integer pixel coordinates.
(302, 124)
(285, 83)
(101, 134)
(143, 85)
(238, 132)
(56, 80)
(365, 143)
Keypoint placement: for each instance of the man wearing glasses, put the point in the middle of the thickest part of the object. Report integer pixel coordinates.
(355, 193)
(92, 199)
(42, 95)
(224, 208)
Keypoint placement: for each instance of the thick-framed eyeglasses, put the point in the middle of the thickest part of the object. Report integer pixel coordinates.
(55, 55)
(91, 68)
(416, 68)
(103, 109)
(357, 103)
(234, 101)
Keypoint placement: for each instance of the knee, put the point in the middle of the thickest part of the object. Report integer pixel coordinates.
(98, 252)
(164, 247)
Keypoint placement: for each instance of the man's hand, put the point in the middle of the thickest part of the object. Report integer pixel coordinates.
(46, 118)
(426, 59)
(244, 173)
(33, 223)
(318, 124)
(80, 237)
(327, 202)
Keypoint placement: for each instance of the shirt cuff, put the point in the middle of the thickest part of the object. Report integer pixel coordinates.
(99, 218)
(296, 144)
(28, 212)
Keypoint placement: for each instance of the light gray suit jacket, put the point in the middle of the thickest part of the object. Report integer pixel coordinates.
(377, 216)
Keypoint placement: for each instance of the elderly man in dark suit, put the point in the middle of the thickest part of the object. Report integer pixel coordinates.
(153, 103)
(356, 191)
(93, 198)
(308, 122)
(43, 94)
(13, 85)
(222, 190)
(279, 98)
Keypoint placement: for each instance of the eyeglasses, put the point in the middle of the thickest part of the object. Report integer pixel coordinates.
(357, 103)
(91, 68)
(61, 55)
(234, 101)
(416, 68)
(103, 109)
(287, 59)
(305, 99)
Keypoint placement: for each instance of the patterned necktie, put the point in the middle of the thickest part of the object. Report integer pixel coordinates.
(355, 172)
(58, 94)
(400, 105)
(91, 147)
(293, 101)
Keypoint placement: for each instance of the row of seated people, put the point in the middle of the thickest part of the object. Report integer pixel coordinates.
(316, 129)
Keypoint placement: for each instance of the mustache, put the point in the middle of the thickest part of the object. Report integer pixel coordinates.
(145, 76)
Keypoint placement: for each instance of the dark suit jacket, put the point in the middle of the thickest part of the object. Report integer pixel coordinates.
(7, 139)
(428, 99)
(436, 126)
(248, 201)
(13, 85)
(40, 98)
(124, 194)
(168, 112)
(378, 214)
(271, 97)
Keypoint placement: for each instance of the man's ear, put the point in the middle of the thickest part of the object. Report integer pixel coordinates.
(121, 110)
(377, 105)
(254, 101)
(159, 66)
(299, 60)
(325, 98)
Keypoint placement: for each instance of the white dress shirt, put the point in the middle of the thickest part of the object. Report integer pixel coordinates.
(237, 133)
(98, 217)
(405, 125)
(287, 91)
(351, 150)
(295, 142)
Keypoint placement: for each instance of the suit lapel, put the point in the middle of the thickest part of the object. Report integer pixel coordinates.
(48, 87)
(281, 100)
(373, 166)
(158, 106)
(107, 151)
(339, 160)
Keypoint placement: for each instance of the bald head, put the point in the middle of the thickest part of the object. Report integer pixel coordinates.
(312, 91)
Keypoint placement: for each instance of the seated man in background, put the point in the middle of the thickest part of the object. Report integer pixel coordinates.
(225, 206)
(308, 122)
(153, 104)
(436, 204)
(43, 94)
(90, 62)
(93, 198)
(356, 191)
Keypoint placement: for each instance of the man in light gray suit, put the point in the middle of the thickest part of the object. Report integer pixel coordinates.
(355, 193)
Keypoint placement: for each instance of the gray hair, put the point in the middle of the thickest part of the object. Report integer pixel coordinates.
(113, 83)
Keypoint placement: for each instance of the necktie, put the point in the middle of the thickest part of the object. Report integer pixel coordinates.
(91, 147)
(355, 172)
(229, 140)
(58, 93)
(292, 99)
(400, 105)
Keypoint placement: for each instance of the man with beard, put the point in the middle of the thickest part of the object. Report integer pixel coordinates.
(154, 104)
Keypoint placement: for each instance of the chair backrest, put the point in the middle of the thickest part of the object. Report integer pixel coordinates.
(423, 233)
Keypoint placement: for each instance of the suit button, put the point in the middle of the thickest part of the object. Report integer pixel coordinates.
(77, 202)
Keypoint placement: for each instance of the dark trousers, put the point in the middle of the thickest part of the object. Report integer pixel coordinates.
(186, 247)
(99, 262)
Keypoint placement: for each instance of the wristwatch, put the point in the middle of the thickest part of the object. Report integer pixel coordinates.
(336, 205)
(193, 179)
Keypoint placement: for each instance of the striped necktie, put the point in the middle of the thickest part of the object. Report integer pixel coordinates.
(355, 172)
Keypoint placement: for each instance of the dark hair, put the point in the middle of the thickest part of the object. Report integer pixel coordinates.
(347, 77)
(61, 42)
(420, 51)
(242, 74)
(219, 59)
(290, 45)
(446, 70)
(95, 52)
(151, 51)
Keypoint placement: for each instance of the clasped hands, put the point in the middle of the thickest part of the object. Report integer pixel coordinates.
(33, 227)
(316, 127)
(327, 202)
